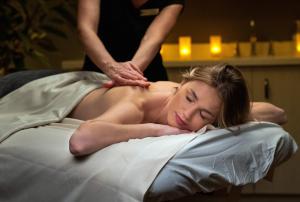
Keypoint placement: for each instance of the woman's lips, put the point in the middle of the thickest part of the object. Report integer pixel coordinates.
(179, 120)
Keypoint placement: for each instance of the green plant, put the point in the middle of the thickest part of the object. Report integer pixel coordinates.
(26, 27)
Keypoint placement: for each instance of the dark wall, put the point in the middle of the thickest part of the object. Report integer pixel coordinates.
(275, 19)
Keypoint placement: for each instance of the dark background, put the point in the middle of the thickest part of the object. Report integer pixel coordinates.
(275, 19)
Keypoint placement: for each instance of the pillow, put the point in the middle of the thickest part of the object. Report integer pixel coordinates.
(221, 157)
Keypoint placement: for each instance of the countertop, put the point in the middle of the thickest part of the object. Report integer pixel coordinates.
(237, 61)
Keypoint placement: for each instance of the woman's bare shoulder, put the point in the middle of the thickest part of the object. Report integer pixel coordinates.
(163, 85)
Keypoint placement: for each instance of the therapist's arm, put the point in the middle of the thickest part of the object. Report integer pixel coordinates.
(88, 21)
(155, 35)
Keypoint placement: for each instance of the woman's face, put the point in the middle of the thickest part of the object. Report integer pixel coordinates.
(193, 106)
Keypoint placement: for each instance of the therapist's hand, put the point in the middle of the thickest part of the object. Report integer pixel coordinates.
(124, 73)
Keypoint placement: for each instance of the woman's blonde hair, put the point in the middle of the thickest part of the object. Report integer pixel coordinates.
(232, 89)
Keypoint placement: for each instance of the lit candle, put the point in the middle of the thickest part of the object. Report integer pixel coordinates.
(215, 45)
(185, 44)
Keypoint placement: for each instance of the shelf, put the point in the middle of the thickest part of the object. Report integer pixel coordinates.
(241, 61)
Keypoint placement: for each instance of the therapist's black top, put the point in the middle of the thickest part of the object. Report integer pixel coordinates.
(121, 29)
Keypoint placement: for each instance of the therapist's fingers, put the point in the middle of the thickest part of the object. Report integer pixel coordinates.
(130, 71)
(124, 74)
(136, 68)
(128, 82)
(114, 70)
(109, 84)
(125, 82)
(129, 79)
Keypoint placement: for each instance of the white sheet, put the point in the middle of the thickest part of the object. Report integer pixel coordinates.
(45, 100)
(36, 164)
(49, 100)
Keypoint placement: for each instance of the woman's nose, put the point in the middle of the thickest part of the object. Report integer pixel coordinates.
(189, 113)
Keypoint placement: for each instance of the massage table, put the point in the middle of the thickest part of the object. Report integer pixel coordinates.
(36, 164)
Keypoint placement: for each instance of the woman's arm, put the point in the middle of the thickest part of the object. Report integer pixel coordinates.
(95, 135)
(118, 124)
(155, 35)
(88, 21)
(262, 111)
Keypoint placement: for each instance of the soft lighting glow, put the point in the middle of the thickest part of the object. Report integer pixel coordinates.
(215, 45)
(185, 44)
(298, 42)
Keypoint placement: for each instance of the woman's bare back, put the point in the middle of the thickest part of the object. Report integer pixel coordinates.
(100, 100)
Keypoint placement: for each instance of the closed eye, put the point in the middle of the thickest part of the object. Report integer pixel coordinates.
(188, 99)
(206, 115)
(190, 96)
(202, 116)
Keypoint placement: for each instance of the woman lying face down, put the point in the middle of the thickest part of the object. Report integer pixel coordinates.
(207, 95)
(216, 94)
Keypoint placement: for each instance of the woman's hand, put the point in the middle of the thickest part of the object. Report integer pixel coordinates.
(263, 111)
(162, 130)
(124, 73)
